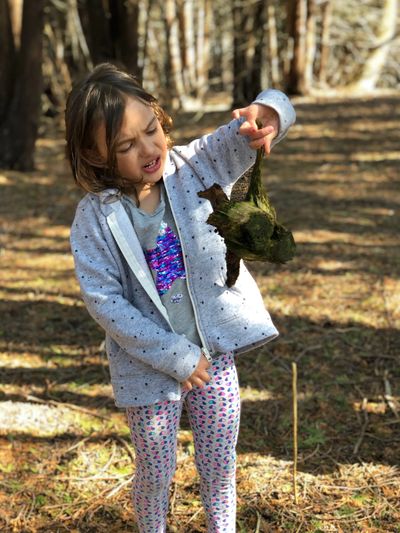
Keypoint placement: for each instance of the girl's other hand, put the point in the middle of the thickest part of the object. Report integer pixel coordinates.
(269, 119)
(200, 376)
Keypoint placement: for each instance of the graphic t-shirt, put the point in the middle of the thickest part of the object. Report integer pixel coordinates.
(159, 239)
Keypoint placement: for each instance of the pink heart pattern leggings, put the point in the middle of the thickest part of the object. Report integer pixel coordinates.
(214, 414)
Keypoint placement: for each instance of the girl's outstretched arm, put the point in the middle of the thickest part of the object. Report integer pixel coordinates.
(224, 155)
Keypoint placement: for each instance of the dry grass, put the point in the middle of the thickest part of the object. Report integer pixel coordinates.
(65, 459)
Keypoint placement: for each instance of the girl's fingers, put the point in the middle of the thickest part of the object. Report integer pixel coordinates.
(186, 385)
(237, 113)
(264, 141)
(252, 130)
(249, 126)
(262, 132)
(250, 113)
(266, 134)
(205, 376)
(197, 382)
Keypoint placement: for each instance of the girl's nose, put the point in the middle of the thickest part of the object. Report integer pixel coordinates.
(145, 147)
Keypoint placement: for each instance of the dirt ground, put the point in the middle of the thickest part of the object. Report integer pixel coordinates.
(65, 459)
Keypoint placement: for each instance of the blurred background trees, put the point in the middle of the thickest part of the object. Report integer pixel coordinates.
(190, 53)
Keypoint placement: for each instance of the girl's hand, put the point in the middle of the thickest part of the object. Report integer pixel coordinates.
(200, 377)
(258, 137)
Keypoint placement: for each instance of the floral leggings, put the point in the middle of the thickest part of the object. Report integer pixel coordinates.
(214, 413)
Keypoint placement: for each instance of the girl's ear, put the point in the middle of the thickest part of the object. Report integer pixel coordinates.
(93, 157)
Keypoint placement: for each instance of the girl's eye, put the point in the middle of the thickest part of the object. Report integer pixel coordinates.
(152, 132)
(125, 149)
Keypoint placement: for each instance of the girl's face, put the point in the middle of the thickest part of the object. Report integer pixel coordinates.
(141, 146)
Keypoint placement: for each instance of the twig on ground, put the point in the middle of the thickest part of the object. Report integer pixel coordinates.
(78, 444)
(363, 428)
(308, 349)
(307, 457)
(294, 388)
(29, 397)
(173, 498)
(96, 477)
(119, 487)
(258, 522)
(126, 446)
(193, 516)
(391, 401)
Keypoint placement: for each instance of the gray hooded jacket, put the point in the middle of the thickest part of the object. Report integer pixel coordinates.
(147, 360)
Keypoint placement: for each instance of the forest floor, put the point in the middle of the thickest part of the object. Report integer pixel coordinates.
(65, 455)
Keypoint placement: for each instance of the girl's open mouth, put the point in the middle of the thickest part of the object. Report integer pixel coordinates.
(152, 165)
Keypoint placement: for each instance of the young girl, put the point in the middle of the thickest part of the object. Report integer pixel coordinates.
(152, 274)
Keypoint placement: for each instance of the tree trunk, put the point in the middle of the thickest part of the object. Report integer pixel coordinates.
(16, 20)
(375, 62)
(226, 46)
(273, 55)
(187, 44)
(18, 130)
(125, 32)
(174, 65)
(7, 58)
(310, 44)
(248, 61)
(325, 41)
(297, 17)
(79, 54)
(257, 66)
(95, 16)
(143, 59)
(203, 48)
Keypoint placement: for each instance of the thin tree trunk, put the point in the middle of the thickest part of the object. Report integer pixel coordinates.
(310, 45)
(143, 59)
(7, 58)
(95, 15)
(203, 49)
(174, 76)
(16, 20)
(256, 65)
(189, 52)
(375, 62)
(325, 41)
(19, 129)
(124, 33)
(239, 63)
(248, 30)
(273, 43)
(77, 38)
(226, 47)
(298, 20)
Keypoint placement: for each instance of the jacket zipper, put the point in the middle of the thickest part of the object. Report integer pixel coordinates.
(204, 347)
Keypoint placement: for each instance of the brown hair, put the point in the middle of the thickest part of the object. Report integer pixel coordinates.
(98, 98)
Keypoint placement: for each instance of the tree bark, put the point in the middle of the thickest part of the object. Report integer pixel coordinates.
(173, 64)
(325, 41)
(125, 32)
(95, 16)
(375, 62)
(249, 23)
(16, 20)
(18, 130)
(297, 17)
(203, 48)
(79, 54)
(310, 45)
(7, 57)
(223, 23)
(273, 55)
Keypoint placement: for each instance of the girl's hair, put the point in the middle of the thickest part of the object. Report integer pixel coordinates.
(101, 98)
